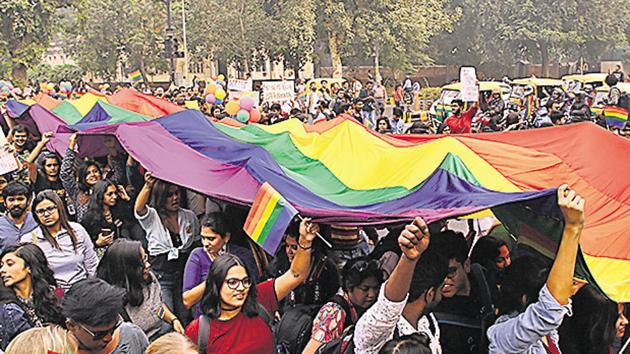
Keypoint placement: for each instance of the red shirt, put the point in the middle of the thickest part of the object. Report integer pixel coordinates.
(461, 125)
(241, 334)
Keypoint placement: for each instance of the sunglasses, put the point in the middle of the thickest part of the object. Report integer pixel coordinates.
(49, 210)
(233, 283)
(102, 334)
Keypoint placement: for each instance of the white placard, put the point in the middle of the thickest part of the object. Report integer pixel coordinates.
(236, 95)
(7, 160)
(468, 80)
(240, 85)
(277, 91)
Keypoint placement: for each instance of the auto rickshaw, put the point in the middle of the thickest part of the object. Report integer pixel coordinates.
(441, 108)
(602, 92)
(577, 82)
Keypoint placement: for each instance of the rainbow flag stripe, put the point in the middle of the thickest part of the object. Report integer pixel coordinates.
(269, 218)
(616, 116)
(135, 76)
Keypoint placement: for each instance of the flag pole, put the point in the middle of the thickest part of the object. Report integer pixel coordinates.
(318, 234)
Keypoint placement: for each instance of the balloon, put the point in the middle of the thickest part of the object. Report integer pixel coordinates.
(218, 101)
(220, 93)
(211, 88)
(247, 103)
(242, 116)
(211, 99)
(254, 116)
(10, 85)
(221, 77)
(232, 108)
(1, 84)
(50, 86)
(214, 78)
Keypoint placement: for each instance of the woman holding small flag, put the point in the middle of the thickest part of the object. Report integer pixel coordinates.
(236, 314)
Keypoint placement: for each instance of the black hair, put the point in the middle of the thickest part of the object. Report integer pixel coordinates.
(94, 212)
(525, 276)
(43, 281)
(458, 102)
(389, 126)
(93, 302)
(356, 270)
(122, 265)
(415, 343)
(486, 250)
(82, 173)
(211, 299)
(159, 195)
(430, 272)
(16, 188)
(276, 107)
(19, 128)
(293, 230)
(215, 221)
(451, 245)
(63, 218)
(591, 329)
(41, 162)
(397, 112)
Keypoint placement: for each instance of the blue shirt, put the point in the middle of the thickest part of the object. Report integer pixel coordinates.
(10, 234)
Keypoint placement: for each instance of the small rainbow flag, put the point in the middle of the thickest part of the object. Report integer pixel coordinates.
(135, 77)
(529, 106)
(269, 218)
(616, 116)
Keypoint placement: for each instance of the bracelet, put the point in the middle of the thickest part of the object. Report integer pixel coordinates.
(304, 248)
(173, 321)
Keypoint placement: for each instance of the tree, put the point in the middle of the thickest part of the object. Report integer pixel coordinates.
(336, 26)
(25, 32)
(105, 33)
(47, 73)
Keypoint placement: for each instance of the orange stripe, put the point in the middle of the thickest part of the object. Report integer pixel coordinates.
(257, 200)
(256, 214)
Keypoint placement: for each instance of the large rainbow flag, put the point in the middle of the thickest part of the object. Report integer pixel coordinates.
(339, 172)
(616, 116)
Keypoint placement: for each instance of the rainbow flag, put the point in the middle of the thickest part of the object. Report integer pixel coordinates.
(135, 77)
(529, 106)
(269, 218)
(616, 116)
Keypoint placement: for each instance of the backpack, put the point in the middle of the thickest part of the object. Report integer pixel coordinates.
(204, 327)
(345, 343)
(293, 332)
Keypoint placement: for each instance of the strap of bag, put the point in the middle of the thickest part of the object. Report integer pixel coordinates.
(204, 333)
(341, 301)
(264, 315)
(456, 320)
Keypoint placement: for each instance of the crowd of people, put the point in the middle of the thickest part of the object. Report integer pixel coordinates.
(99, 256)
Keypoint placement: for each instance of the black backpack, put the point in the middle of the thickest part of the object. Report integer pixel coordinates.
(345, 343)
(204, 327)
(293, 331)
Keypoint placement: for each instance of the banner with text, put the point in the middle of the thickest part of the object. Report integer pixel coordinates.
(468, 79)
(276, 91)
(240, 85)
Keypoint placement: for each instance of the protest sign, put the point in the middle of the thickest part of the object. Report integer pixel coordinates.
(7, 159)
(237, 95)
(276, 91)
(240, 85)
(468, 79)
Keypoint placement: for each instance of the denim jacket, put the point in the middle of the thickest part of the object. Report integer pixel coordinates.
(523, 333)
(13, 321)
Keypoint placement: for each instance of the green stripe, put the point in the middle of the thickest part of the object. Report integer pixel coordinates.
(315, 176)
(66, 111)
(269, 224)
(120, 115)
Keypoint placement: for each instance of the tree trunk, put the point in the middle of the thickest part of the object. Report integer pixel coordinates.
(143, 71)
(377, 69)
(18, 75)
(544, 56)
(335, 57)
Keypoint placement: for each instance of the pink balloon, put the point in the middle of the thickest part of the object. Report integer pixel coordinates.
(210, 99)
(247, 103)
(254, 116)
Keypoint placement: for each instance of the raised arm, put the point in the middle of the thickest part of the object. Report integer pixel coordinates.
(301, 263)
(67, 174)
(39, 147)
(144, 195)
(560, 278)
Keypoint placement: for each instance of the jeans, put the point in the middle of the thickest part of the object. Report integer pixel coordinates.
(368, 119)
(171, 285)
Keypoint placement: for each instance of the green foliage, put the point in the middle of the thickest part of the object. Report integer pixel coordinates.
(45, 72)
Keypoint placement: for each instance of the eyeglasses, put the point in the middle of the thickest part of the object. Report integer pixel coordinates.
(233, 283)
(102, 334)
(49, 210)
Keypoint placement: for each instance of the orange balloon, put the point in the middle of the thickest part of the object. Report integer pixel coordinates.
(232, 108)
(211, 88)
(254, 115)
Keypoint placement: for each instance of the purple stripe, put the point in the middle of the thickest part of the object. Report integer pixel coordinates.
(278, 229)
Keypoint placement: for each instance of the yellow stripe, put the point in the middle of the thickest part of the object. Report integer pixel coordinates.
(612, 275)
(86, 102)
(263, 220)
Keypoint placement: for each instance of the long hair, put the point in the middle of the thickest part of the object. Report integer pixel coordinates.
(82, 173)
(211, 300)
(93, 217)
(63, 218)
(159, 195)
(123, 267)
(525, 276)
(591, 329)
(43, 281)
(50, 339)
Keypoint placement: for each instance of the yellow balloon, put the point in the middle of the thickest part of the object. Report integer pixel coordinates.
(220, 93)
(221, 77)
(232, 108)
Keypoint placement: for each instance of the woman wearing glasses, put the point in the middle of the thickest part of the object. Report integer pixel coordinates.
(215, 240)
(67, 246)
(126, 265)
(232, 305)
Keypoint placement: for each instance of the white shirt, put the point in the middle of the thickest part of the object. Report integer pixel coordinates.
(158, 236)
(376, 326)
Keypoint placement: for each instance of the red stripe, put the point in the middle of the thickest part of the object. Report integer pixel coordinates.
(255, 214)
